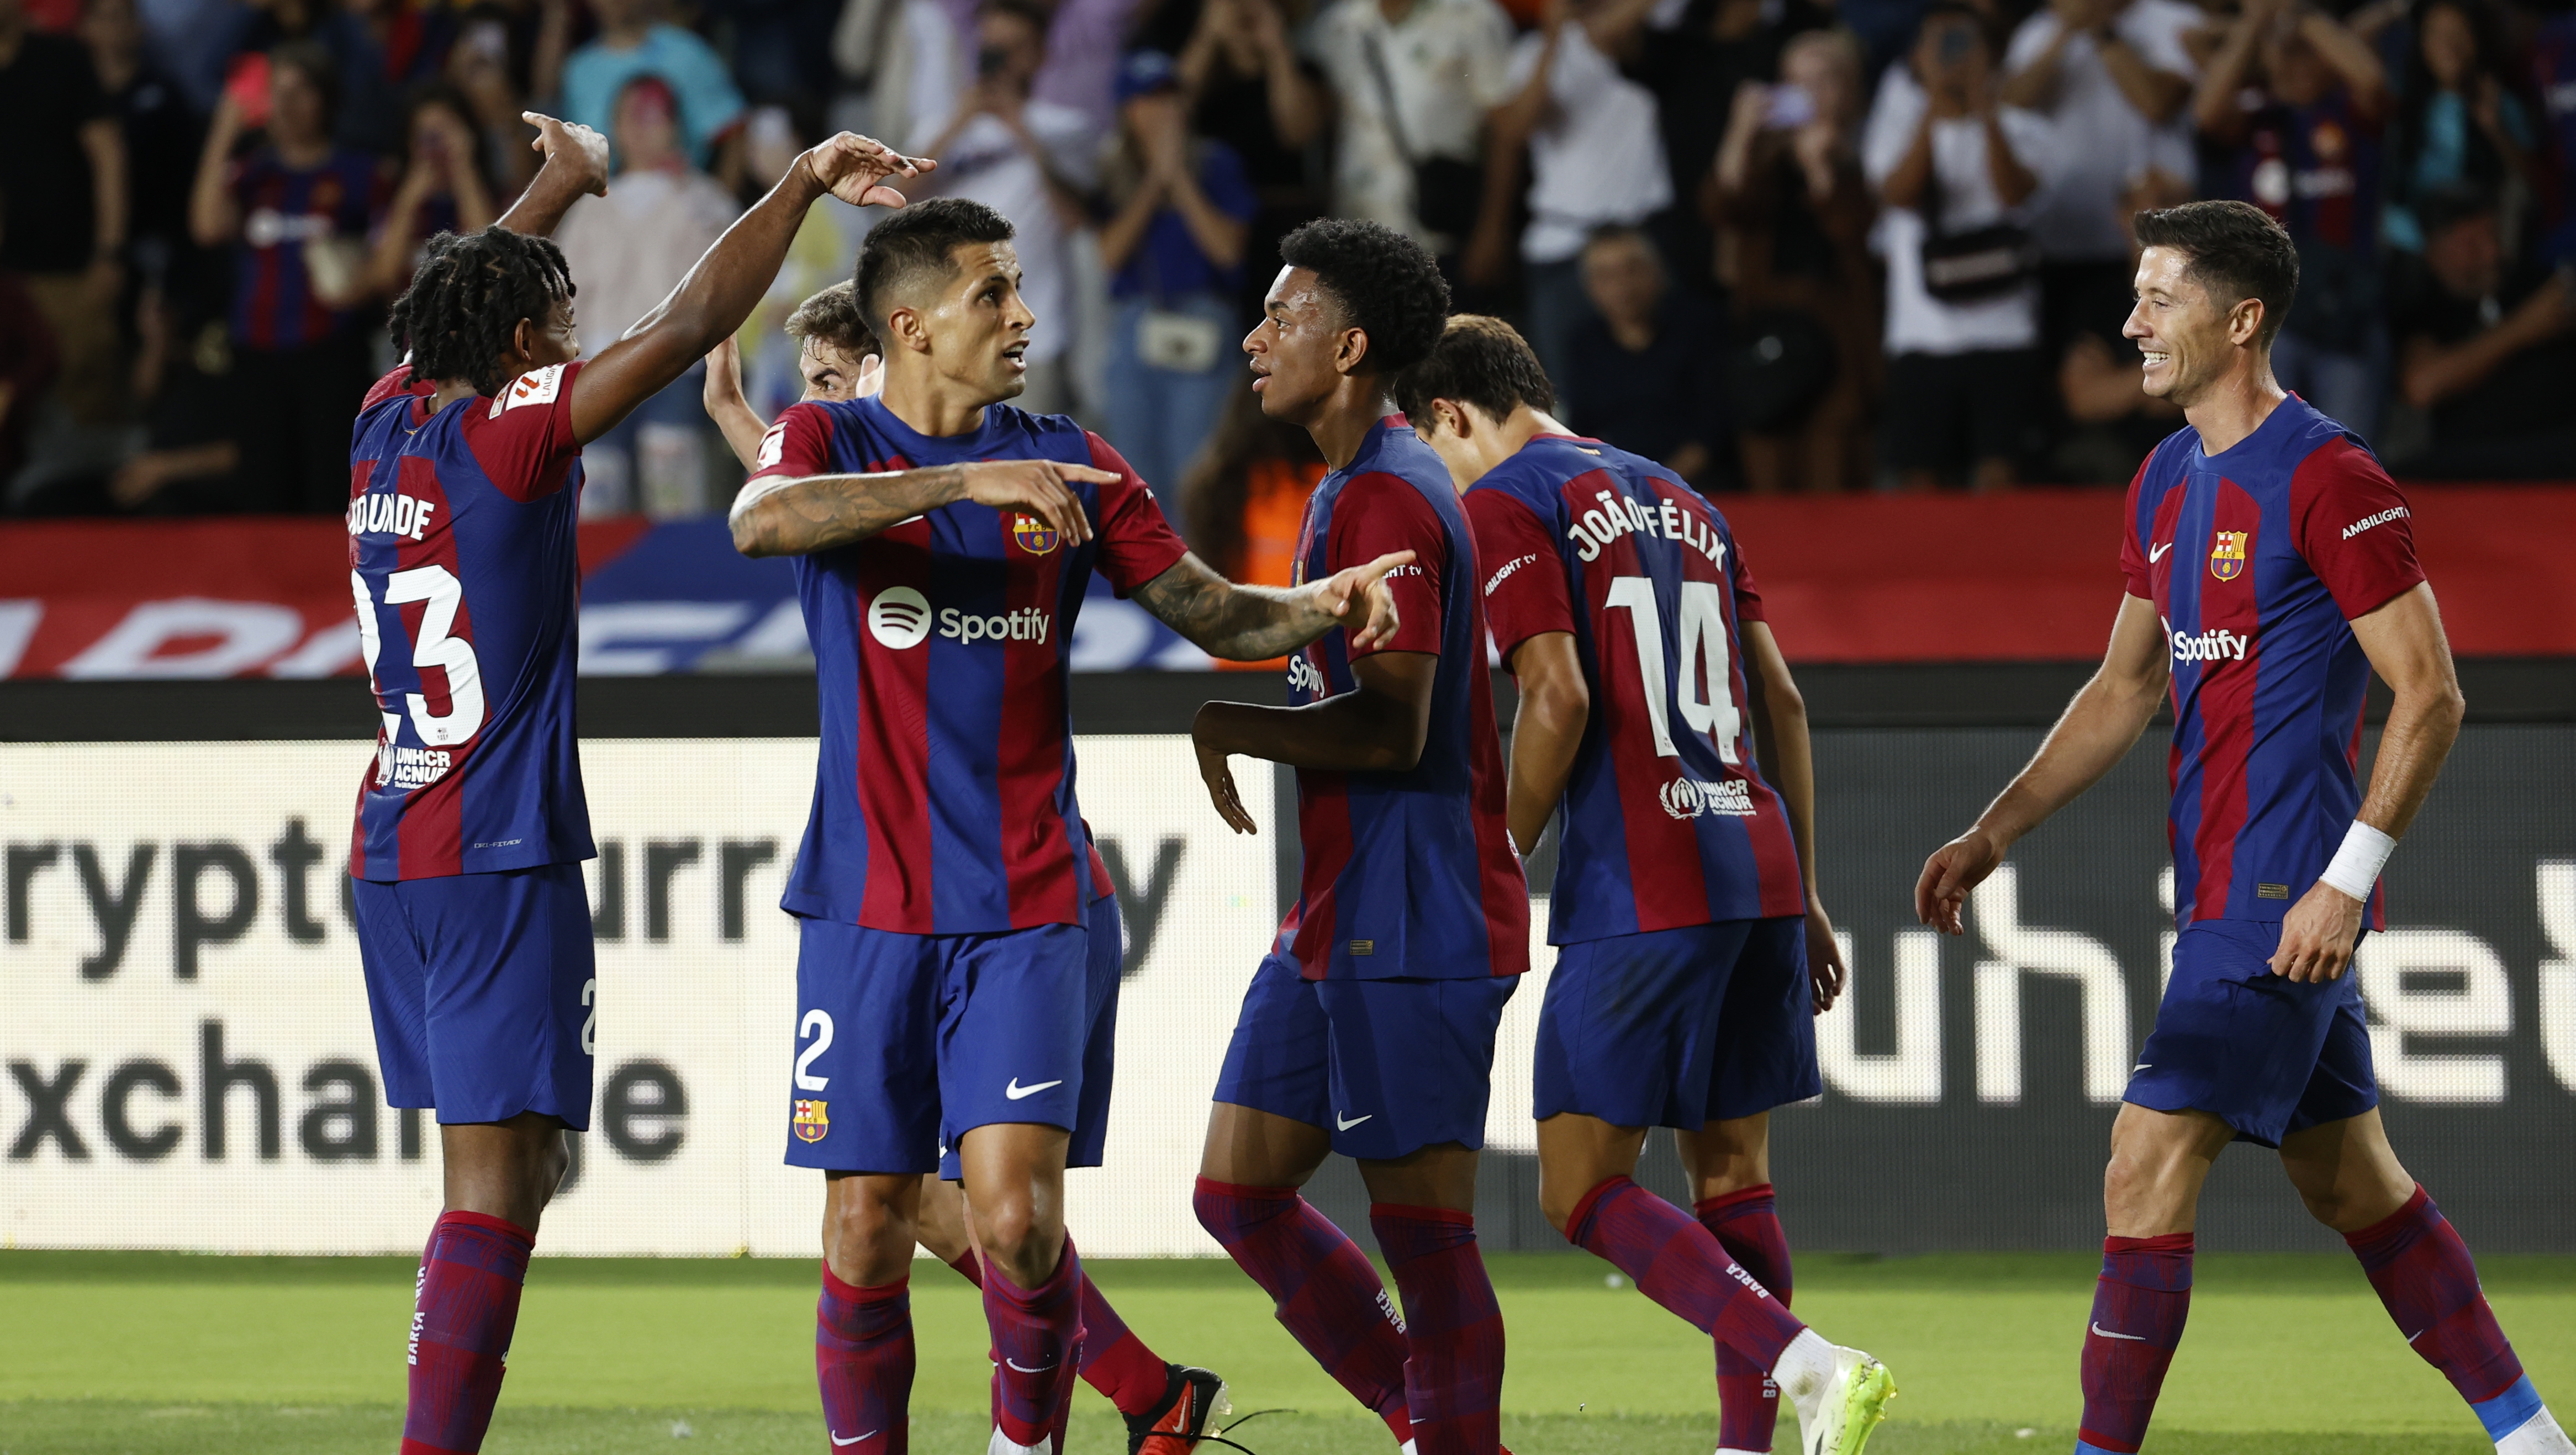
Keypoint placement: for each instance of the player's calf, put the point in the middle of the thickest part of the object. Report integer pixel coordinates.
(2426, 1280)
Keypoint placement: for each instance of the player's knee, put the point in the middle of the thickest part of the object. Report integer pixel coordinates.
(1557, 1202)
(1025, 1244)
(554, 1164)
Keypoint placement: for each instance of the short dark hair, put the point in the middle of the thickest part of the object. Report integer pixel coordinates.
(1386, 284)
(1028, 12)
(2234, 249)
(460, 314)
(2448, 204)
(308, 58)
(915, 242)
(1622, 232)
(832, 318)
(1481, 361)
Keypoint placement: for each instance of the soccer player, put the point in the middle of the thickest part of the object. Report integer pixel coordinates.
(943, 542)
(2271, 569)
(474, 927)
(1369, 1028)
(1163, 1404)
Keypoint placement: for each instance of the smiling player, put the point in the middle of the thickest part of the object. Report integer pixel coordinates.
(2271, 569)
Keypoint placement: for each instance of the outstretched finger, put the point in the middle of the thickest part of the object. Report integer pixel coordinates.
(1064, 510)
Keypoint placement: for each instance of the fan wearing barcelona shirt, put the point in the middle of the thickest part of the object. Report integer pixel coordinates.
(2271, 569)
(943, 542)
(1369, 1028)
(474, 927)
(1659, 720)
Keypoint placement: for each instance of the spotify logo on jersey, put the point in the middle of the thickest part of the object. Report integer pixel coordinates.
(899, 617)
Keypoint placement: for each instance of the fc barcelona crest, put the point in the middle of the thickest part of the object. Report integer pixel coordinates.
(2227, 554)
(1034, 535)
(811, 1121)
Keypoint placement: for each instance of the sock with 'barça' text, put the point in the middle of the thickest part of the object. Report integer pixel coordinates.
(1453, 1328)
(1038, 1333)
(465, 1309)
(2430, 1287)
(1114, 1361)
(1326, 1292)
(2139, 1305)
(1680, 1264)
(1747, 1225)
(863, 1359)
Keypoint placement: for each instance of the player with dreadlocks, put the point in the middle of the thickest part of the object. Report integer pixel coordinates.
(474, 927)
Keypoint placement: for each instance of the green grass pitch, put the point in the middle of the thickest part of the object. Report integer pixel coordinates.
(151, 1353)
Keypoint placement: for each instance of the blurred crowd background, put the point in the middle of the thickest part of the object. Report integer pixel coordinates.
(1784, 245)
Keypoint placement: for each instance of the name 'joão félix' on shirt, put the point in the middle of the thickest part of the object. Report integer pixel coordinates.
(388, 514)
(1594, 532)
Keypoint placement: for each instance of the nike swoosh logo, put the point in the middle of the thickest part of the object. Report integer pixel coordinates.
(1024, 1369)
(2419, 1333)
(854, 1439)
(1347, 1125)
(1015, 1091)
(2107, 1334)
(2157, 553)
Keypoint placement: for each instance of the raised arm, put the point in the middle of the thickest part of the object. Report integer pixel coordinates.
(1251, 623)
(1556, 704)
(576, 164)
(1788, 761)
(1378, 727)
(212, 218)
(740, 424)
(2098, 729)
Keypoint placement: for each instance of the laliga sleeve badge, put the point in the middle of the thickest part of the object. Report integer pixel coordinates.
(2227, 554)
(537, 386)
(812, 1121)
(1034, 536)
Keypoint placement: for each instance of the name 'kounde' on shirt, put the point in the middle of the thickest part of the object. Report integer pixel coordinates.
(2257, 558)
(944, 788)
(1667, 820)
(1408, 875)
(466, 570)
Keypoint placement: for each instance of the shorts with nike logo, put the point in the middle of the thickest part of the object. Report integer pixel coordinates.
(898, 1035)
(1099, 1052)
(1388, 1067)
(2265, 1055)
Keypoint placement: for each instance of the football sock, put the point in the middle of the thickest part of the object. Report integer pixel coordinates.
(2139, 1305)
(2430, 1287)
(1038, 1333)
(1453, 1328)
(464, 1309)
(1114, 1361)
(1747, 1225)
(1680, 1264)
(1325, 1290)
(863, 1359)
(968, 1267)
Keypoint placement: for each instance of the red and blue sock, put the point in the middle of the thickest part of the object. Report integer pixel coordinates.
(1747, 1225)
(1327, 1294)
(464, 1310)
(1680, 1264)
(2430, 1287)
(2139, 1305)
(1453, 1328)
(1114, 1361)
(1038, 1334)
(863, 1359)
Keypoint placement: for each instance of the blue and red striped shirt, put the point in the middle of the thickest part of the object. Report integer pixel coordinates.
(1667, 820)
(284, 210)
(2256, 559)
(466, 571)
(1407, 875)
(944, 793)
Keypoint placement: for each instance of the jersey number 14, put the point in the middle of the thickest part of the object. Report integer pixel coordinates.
(1703, 659)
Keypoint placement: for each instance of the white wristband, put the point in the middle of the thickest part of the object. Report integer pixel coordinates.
(2356, 865)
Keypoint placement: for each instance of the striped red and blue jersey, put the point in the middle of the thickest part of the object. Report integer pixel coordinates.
(1667, 820)
(944, 799)
(283, 211)
(1408, 875)
(466, 571)
(2256, 559)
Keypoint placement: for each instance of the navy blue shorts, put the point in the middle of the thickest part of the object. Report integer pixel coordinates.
(1108, 933)
(1387, 1066)
(2265, 1055)
(482, 990)
(899, 1035)
(1680, 1027)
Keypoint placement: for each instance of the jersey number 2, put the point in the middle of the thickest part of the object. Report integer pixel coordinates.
(1703, 657)
(440, 592)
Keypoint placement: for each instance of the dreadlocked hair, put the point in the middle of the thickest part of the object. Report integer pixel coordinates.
(461, 314)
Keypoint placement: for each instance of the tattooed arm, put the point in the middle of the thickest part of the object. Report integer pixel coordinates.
(795, 517)
(1248, 623)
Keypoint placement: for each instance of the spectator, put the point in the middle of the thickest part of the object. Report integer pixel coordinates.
(1642, 372)
(1031, 161)
(159, 134)
(636, 40)
(28, 361)
(1173, 245)
(1415, 79)
(2485, 350)
(480, 65)
(627, 251)
(2457, 121)
(1793, 212)
(2111, 421)
(2294, 100)
(63, 166)
(1250, 90)
(2114, 80)
(2553, 76)
(442, 188)
(1086, 41)
(295, 210)
(1958, 173)
(1595, 161)
(1245, 499)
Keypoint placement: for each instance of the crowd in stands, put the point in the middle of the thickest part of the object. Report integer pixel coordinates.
(1784, 245)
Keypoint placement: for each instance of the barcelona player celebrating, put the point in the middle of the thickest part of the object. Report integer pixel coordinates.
(2271, 569)
(944, 540)
(1659, 718)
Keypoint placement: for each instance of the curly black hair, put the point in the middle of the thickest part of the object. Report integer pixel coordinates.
(1386, 283)
(462, 310)
(1480, 361)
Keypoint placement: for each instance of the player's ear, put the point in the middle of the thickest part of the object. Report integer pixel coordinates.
(1352, 349)
(2245, 321)
(906, 329)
